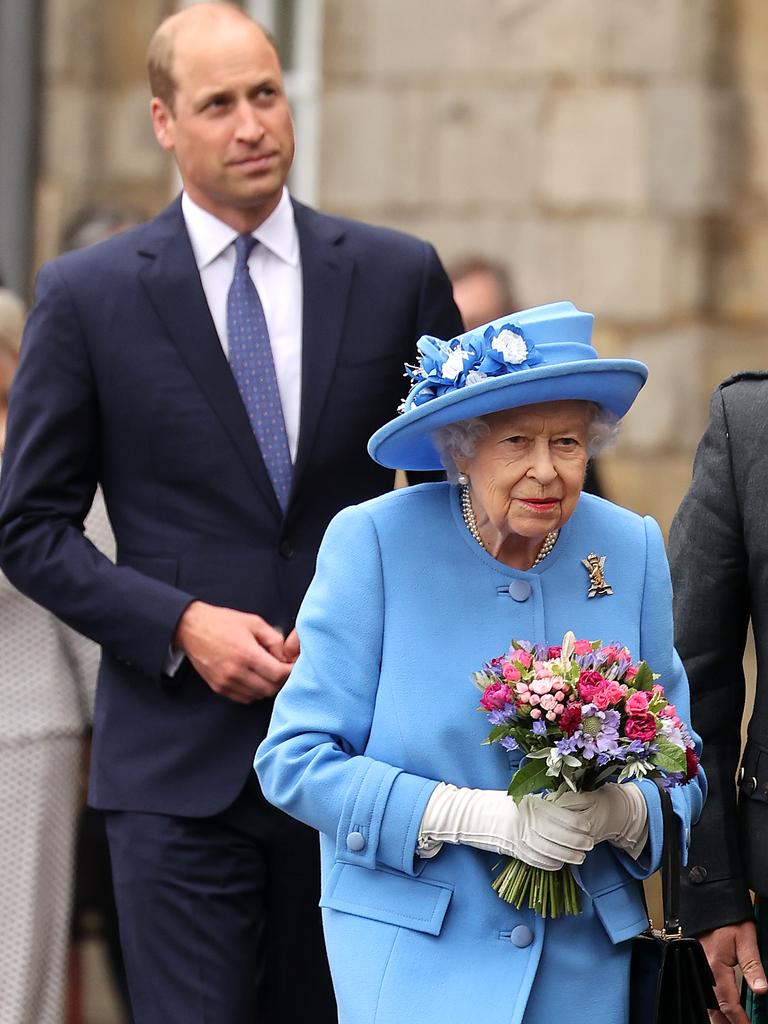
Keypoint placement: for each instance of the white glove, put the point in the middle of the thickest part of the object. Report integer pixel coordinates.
(537, 831)
(616, 812)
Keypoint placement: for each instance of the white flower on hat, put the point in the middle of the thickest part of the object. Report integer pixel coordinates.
(475, 376)
(454, 364)
(512, 347)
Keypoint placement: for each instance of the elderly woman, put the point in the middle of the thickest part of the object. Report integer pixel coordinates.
(375, 740)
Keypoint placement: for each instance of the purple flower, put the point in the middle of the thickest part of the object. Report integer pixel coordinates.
(510, 744)
(598, 732)
(539, 728)
(637, 749)
(501, 716)
(567, 745)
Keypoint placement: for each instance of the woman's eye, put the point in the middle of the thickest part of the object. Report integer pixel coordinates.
(516, 439)
(567, 442)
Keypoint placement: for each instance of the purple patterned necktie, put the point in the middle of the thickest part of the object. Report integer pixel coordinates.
(250, 358)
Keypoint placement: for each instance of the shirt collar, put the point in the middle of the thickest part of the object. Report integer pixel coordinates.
(210, 236)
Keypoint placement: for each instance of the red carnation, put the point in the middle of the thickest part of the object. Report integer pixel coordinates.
(640, 727)
(692, 764)
(554, 652)
(570, 720)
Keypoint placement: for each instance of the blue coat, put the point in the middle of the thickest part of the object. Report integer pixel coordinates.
(380, 707)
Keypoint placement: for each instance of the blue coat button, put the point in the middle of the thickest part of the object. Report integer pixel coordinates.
(355, 842)
(522, 936)
(519, 590)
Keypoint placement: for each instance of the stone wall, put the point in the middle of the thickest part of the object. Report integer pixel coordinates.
(614, 152)
(97, 144)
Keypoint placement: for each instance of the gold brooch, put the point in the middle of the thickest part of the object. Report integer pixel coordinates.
(595, 564)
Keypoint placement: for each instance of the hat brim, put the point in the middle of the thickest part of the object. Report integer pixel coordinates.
(406, 442)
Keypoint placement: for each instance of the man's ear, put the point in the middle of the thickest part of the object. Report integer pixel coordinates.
(162, 122)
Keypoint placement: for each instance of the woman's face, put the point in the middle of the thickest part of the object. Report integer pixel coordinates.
(526, 475)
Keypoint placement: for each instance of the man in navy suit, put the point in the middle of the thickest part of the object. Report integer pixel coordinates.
(222, 459)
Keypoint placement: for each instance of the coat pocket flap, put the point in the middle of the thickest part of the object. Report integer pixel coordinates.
(383, 895)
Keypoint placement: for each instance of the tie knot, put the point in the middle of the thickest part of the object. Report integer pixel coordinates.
(243, 248)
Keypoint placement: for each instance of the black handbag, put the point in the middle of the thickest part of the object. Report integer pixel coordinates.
(671, 981)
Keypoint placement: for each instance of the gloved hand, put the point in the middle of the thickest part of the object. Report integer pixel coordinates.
(616, 812)
(540, 832)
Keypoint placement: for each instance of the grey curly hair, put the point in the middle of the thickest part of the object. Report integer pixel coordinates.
(459, 440)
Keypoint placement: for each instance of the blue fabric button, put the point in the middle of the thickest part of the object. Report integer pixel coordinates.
(519, 590)
(521, 936)
(355, 842)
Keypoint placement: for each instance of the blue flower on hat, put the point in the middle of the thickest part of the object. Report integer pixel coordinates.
(445, 366)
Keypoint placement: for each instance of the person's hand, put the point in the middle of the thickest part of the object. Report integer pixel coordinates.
(727, 947)
(291, 647)
(616, 812)
(536, 831)
(239, 655)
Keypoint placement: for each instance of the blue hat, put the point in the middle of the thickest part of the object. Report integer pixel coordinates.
(538, 355)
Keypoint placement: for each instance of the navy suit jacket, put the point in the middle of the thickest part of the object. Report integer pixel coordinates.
(123, 381)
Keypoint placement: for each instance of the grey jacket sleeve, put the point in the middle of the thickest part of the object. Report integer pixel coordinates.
(709, 564)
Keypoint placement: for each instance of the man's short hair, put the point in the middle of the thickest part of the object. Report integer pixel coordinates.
(160, 53)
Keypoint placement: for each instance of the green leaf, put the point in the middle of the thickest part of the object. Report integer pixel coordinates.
(644, 678)
(530, 777)
(497, 732)
(670, 757)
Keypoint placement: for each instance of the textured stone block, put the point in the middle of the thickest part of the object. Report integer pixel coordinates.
(595, 149)
(671, 411)
(130, 147)
(373, 149)
(695, 149)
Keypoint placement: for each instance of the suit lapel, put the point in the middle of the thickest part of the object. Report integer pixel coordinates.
(172, 281)
(326, 276)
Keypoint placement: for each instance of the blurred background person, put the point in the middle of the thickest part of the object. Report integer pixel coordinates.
(47, 681)
(482, 289)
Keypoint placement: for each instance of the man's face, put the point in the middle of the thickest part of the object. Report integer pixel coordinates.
(230, 128)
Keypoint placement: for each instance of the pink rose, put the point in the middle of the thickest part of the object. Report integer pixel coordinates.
(631, 672)
(638, 703)
(582, 647)
(640, 727)
(510, 672)
(670, 711)
(589, 683)
(607, 695)
(536, 713)
(495, 696)
(523, 658)
(608, 655)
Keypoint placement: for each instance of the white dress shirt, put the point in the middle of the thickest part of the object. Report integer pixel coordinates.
(275, 269)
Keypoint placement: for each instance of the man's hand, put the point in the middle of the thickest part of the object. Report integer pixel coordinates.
(239, 655)
(725, 948)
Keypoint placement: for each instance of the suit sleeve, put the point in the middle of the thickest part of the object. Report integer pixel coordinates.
(709, 571)
(50, 469)
(438, 314)
(313, 763)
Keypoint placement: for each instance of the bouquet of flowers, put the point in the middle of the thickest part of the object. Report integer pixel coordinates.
(583, 714)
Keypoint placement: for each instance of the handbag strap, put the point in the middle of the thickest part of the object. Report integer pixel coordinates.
(670, 863)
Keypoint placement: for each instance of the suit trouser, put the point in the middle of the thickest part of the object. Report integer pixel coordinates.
(218, 916)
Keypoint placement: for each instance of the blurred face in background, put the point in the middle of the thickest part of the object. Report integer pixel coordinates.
(12, 313)
(229, 125)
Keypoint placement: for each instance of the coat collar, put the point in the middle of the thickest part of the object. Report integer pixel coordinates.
(172, 281)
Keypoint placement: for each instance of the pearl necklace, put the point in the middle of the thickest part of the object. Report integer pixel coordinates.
(468, 514)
